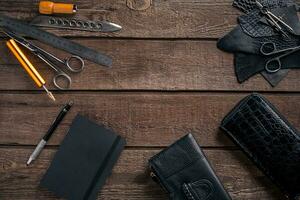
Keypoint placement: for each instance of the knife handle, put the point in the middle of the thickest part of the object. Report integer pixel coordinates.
(49, 7)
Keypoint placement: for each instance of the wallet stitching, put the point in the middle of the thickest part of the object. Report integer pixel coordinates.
(211, 185)
(188, 190)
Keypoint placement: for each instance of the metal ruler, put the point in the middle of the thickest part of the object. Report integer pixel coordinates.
(23, 28)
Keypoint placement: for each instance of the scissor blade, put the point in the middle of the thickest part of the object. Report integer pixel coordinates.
(19, 39)
(282, 22)
(259, 5)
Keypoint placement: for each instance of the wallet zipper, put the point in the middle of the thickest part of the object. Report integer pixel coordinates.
(156, 179)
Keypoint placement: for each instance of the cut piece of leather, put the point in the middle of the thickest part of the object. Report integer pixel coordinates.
(184, 172)
(255, 25)
(268, 139)
(248, 65)
(275, 78)
(238, 41)
(249, 5)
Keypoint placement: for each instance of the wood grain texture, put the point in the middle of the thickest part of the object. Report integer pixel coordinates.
(130, 178)
(147, 65)
(160, 19)
(144, 18)
(168, 79)
(144, 119)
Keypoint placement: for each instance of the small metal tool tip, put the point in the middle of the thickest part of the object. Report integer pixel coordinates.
(71, 103)
(259, 4)
(50, 95)
(29, 161)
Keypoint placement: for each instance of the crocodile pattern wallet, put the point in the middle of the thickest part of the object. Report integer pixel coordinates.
(184, 172)
(268, 139)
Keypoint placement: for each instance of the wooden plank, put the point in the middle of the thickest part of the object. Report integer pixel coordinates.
(144, 18)
(147, 65)
(144, 119)
(130, 178)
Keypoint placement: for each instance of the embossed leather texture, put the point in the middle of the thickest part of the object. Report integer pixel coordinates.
(268, 139)
(249, 5)
(184, 172)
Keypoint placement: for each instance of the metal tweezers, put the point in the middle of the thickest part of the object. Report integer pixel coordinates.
(273, 20)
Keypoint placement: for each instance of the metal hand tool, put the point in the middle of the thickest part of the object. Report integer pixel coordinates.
(51, 60)
(75, 24)
(274, 64)
(19, 27)
(29, 68)
(273, 20)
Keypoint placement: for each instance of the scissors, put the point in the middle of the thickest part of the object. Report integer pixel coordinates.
(274, 64)
(52, 61)
(273, 20)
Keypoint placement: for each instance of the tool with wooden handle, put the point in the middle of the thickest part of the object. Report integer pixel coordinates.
(27, 65)
(49, 8)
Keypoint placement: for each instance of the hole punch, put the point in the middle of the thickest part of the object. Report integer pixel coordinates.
(72, 23)
(65, 22)
(52, 21)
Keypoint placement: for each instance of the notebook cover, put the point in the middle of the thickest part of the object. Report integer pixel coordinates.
(83, 161)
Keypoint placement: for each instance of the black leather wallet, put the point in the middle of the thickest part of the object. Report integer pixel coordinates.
(184, 172)
(268, 139)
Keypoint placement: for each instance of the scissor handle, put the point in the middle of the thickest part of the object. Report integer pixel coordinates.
(273, 65)
(79, 60)
(268, 45)
(66, 79)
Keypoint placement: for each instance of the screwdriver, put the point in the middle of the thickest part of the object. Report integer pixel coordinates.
(29, 68)
(49, 7)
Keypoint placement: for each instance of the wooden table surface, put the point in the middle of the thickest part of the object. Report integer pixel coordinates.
(168, 79)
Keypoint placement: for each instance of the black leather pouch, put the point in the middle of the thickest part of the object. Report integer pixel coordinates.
(268, 139)
(184, 172)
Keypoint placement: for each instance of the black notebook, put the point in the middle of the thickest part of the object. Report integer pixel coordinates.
(83, 161)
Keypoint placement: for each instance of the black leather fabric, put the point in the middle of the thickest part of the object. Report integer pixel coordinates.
(253, 30)
(268, 139)
(249, 5)
(247, 65)
(237, 41)
(256, 25)
(184, 172)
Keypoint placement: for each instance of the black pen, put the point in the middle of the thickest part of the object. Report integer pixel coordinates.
(49, 133)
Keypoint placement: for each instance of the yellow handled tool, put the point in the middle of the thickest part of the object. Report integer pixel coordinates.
(49, 7)
(27, 65)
